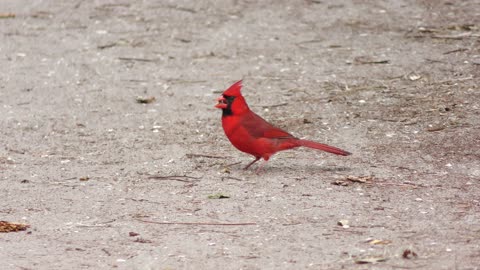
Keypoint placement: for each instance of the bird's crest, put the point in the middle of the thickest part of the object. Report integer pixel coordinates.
(234, 90)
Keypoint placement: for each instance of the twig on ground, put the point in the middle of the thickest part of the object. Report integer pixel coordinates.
(137, 59)
(190, 155)
(185, 9)
(455, 80)
(199, 223)
(106, 251)
(456, 50)
(365, 60)
(457, 36)
(404, 184)
(106, 46)
(231, 164)
(180, 178)
(349, 231)
(233, 178)
(103, 224)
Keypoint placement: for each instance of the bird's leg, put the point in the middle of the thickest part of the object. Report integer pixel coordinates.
(261, 166)
(266, 157)
(250, 164)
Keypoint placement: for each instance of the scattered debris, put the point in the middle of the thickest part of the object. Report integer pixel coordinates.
(404, 184)
(6, 160)
(109, 6)
(334, 46)
(451, 32)
(353, 179)
(456, 36)
(218, 196)
(409, 254)
(184, 40)
(199, 223)
(463, 27)
(133, 234)
(368, 180)
(365, 60)
(205, 156)
(232, 164)
(456, 50)
(342, 183)
(185, 9)
(142, 240)
(342, 230)
(414, 77)
(307, 121)
(42, 15)
(343, 223)
(106, 46)
(106, 252)
(145, 100)
(105, 224)
(233, 178)
(379, 242)
(7, 15)
(360, 179)
(370, 259)
(136, 59)
(181, 178)
(6, 226)
(435, 128)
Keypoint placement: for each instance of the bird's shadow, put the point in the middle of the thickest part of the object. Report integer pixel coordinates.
(300, 168)
(313, 168)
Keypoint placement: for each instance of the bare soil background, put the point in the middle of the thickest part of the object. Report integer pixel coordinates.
(394, 82)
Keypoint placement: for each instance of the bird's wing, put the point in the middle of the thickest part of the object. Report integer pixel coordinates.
(258, 127)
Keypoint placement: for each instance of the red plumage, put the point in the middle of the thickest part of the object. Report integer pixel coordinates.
(251, 134)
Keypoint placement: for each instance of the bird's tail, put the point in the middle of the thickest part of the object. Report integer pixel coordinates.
(323, 147)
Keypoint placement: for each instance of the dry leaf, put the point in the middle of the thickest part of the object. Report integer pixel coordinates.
(6, 226)
(145, 100)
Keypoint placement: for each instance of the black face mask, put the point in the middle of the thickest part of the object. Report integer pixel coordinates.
(228, 110)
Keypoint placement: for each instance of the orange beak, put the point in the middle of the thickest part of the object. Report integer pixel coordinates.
(222, 103)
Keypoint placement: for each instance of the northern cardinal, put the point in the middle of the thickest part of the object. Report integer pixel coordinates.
(251, 134)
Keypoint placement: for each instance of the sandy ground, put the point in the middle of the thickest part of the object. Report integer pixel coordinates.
(394, 82)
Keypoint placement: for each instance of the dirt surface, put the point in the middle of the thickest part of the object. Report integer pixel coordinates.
(106, 182)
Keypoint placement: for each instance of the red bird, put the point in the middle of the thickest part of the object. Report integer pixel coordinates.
(251, 134)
